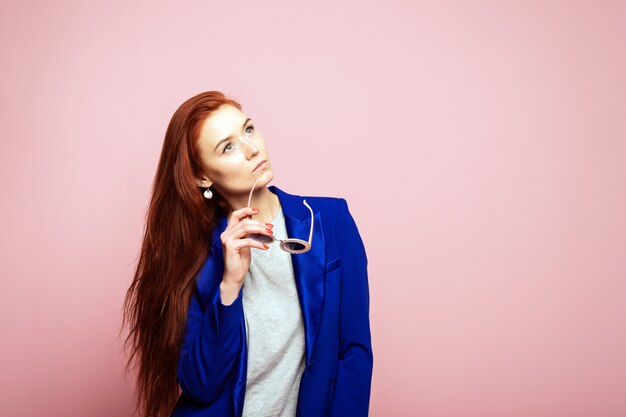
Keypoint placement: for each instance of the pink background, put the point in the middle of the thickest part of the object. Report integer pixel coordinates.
(481, 147)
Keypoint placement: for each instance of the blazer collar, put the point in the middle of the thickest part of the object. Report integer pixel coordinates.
(308, 267)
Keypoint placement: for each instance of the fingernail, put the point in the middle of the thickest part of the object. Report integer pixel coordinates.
(256, 210)
(269, 224)
(270, 231)
(265, 246)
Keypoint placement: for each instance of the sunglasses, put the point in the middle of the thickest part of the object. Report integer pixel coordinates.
(290, 245)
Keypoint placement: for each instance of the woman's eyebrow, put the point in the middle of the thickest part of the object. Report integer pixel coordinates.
(231, 136)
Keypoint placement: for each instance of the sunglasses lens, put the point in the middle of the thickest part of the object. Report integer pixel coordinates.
(293, 246)
(261, 238)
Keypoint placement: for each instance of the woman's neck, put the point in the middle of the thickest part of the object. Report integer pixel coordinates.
(268, 204)
(266, 201)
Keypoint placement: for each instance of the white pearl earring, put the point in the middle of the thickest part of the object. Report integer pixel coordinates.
(208, 194)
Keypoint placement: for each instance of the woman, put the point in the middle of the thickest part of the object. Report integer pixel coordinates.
(217, 329)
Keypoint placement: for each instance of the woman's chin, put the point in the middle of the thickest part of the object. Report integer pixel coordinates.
(266, 175)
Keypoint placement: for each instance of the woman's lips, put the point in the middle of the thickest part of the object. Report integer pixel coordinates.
(260, 165)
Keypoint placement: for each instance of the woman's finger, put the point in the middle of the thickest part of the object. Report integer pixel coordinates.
(238, 215)
(241, 243)
(247, 226)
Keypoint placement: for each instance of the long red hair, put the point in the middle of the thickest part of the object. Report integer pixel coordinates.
(176, 242)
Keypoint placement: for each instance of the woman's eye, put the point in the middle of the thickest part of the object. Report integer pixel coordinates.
(226, 147)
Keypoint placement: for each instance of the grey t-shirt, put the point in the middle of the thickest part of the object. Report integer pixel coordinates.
(274, 329)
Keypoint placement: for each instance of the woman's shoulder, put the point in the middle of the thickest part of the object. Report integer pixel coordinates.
(325, 200)
(323, 203)
(328, 205)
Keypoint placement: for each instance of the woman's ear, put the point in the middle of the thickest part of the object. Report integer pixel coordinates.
(204, 182)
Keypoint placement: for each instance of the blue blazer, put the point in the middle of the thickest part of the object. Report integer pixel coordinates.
(332, 284)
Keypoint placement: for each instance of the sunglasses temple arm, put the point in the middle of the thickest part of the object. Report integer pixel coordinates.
(312, 219)
(250, 196)
(251, 191)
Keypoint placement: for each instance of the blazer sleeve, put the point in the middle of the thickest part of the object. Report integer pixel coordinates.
(354, 375)
(210, 347)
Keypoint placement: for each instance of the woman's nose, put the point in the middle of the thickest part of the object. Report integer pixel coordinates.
(249, 146)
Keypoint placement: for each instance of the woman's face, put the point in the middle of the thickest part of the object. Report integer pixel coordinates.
(230, 150)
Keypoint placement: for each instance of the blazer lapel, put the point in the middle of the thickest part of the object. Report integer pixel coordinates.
(308, 267)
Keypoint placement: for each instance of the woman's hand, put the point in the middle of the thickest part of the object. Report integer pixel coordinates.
(236, 247)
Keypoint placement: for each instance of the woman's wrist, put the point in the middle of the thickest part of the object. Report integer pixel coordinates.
(229, 292)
